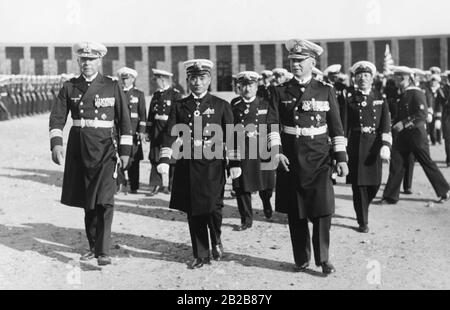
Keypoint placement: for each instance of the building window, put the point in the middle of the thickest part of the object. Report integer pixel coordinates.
(201, 52)
(62, 55)
(39, 54)
(246, 61)
(335, 53)
(359, 51)
(107, 63)
(15, 54)
(133, 54)
(407, 52)
(431, 53)
(155, 55)
(268, 56)
(224, 67)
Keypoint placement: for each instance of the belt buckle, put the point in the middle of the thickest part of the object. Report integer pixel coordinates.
(304, 131)
(198, 142)
(82, 123)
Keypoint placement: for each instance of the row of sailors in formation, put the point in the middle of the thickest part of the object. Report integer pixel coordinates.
(22, 95)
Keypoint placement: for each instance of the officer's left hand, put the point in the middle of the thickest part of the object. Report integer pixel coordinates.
(342, 169)
(385, 152)
(429, 118)
(235, 172)
(438, 124)
(124, 160)
(142, 137)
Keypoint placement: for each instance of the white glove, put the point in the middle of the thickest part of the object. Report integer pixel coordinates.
(429, 118)
(235, 173)
(438, 124)
(163, 168)
(385, 153)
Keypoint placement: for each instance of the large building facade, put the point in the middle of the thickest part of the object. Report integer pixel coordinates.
(230, 58)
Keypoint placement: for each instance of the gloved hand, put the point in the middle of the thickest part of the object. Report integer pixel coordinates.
(163, 168)
(429, 118)
(124, 160)
(342, 169)
(385, 152)
(235, 172)
(281, 158)
(142, 137)
(58, 154)
(147, 137)
(438, 124)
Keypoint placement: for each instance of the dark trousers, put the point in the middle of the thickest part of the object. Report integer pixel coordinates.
(133, 175)
(98, 228)
(362, 197)
(198, 228)
(409, 171)
(397, 167)
(244, 202)
(265, 196)
(156, 178)
(301, 241)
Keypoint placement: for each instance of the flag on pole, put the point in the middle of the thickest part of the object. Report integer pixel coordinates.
(388, 61)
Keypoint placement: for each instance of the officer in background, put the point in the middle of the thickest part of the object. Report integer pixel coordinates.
(100, 115)
(199, 180)
(317, 74)
(446, 117)
(264, 88)
(279, 76)
(308, 114)
(158, 114)
(410, 136)
(4, 102)
(250, 111)
(136, 104)
(436, 97)
(334, 76)
(368, 130)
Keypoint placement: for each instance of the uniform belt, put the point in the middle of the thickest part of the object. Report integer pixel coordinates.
(298, 131)
(162, 117)
(134, 115)
(366, 129)
(92, 123)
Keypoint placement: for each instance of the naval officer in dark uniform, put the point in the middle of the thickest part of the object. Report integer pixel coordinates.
(158, 114)
(368, 130)
(250, 111)
(136, 105)
(409, 127)
(307, 113)
(99, 141)
(199, 178)
(264, 88)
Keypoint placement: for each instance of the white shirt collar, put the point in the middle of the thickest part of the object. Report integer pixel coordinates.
(365, 92)
(250, 100)
(201, 96)
(164, 89)
(128, 88)
(91, 78)
(304, 81)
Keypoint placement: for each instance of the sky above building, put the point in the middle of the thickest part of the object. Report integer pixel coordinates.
(183, 21)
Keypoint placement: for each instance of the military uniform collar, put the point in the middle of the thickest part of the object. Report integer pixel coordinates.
(248, 101)
(163, 89)
(91, 79)
(129, 88)
(199, 97)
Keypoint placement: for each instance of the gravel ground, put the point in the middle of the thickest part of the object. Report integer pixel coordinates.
(41, 240)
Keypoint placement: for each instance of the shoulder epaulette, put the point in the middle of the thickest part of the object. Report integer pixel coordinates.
(326, 84)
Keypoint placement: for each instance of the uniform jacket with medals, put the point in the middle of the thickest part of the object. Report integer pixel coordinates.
(312, 112)
(102, 115)
(136, 104)
(410, 120)
(251, 115)
(446, 111)
(158, 115)
(198, 182)
(368, 128)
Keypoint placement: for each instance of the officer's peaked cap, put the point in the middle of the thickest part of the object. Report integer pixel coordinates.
(302, 49)
(89, 50)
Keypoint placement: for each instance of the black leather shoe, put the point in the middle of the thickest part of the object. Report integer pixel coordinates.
(363, 229)
(165, 190)
(444, 198)
(133, 191)
(268, 213)
(302, 267)
(87, 256)
(407, 191)
(199, 262)
(217, 252)
(245, 226)
(327, 268)
(154, 191)
(103, 260)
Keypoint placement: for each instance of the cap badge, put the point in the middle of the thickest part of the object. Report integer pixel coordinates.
(297, 48)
